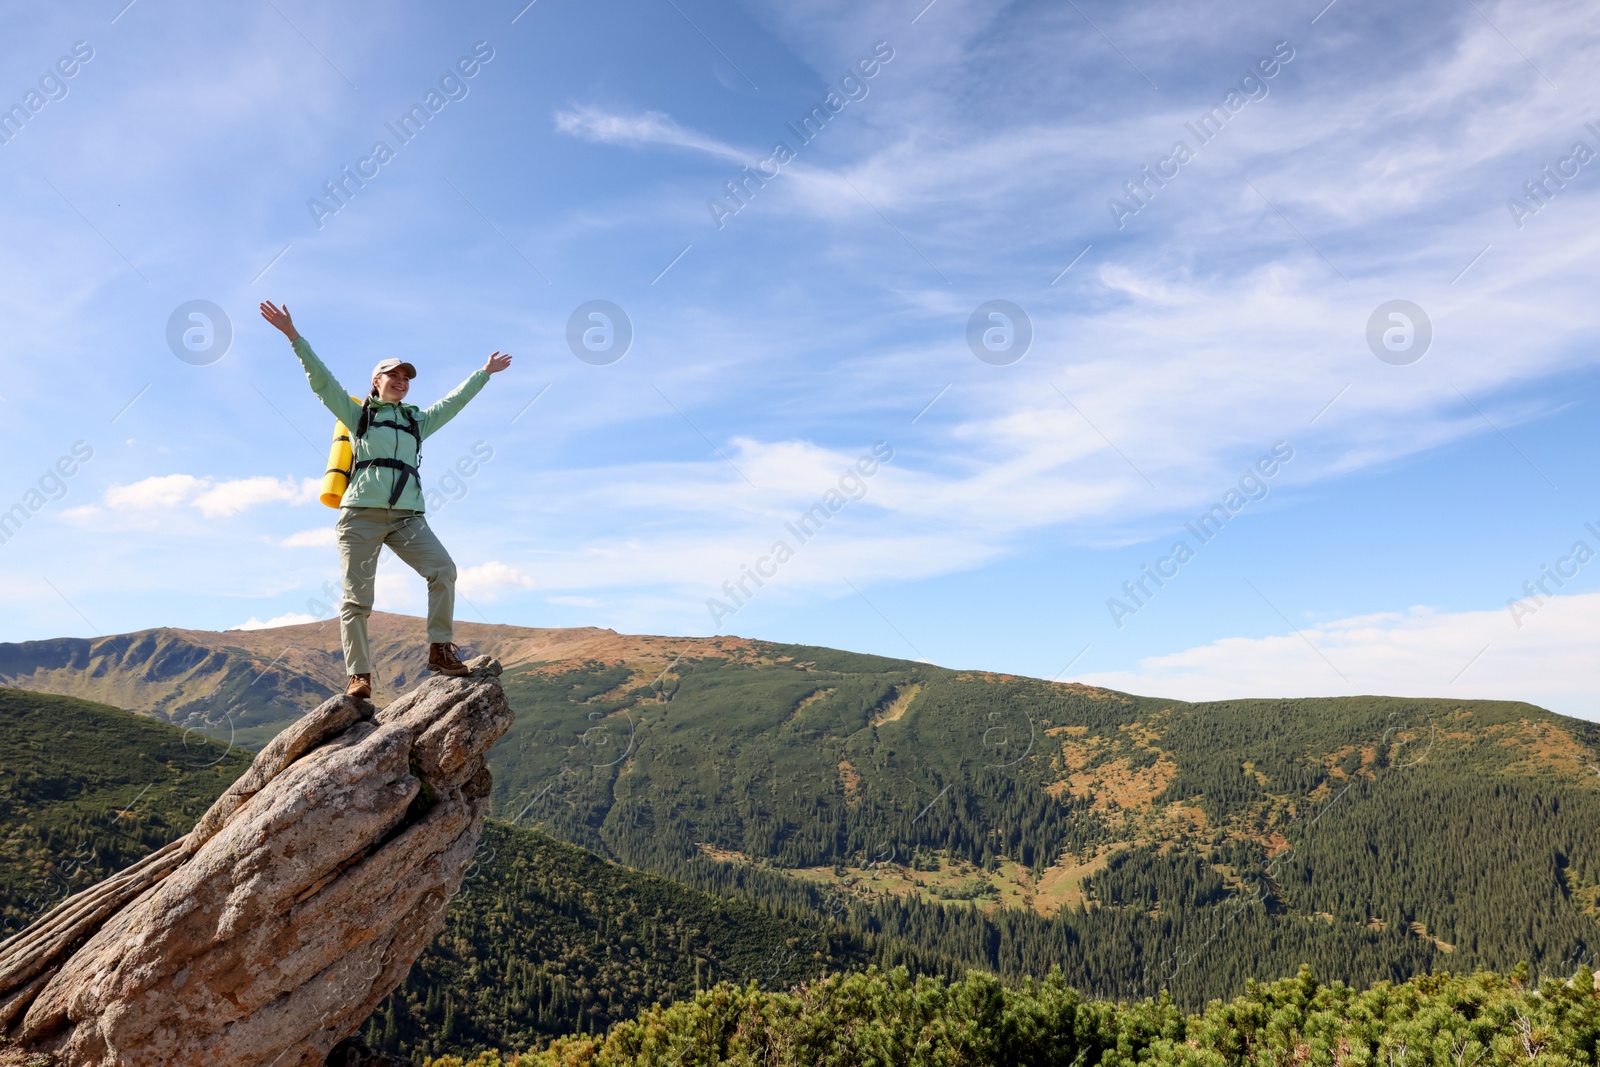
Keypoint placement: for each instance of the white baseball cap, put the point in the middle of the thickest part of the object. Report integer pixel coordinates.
(394, 364)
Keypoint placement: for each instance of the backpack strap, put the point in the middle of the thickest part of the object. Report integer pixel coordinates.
(407, 471)
(410, 426)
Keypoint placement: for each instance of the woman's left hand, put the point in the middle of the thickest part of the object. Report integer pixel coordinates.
(497, 363)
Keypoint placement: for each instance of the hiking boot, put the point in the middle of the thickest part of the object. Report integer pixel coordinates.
(360, 687)
(442, 660)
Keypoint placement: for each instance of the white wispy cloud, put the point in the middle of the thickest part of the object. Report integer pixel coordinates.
(232, 496)
(291, 619)
(1548, 660)
(491, 580)
(592, 123)
(317, 537)
(213, 498)
(161, 491)
(400, 589)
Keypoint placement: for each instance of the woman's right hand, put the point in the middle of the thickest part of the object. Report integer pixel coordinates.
(279, 317)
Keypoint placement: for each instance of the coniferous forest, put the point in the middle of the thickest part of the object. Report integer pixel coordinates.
(711, 837)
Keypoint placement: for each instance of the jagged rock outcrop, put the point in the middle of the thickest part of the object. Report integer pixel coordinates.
(296, 904)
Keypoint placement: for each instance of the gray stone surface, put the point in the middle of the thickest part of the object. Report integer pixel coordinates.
(298, 902)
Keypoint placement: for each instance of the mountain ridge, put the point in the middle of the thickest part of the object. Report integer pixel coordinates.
(251, 683)
(1010, 823)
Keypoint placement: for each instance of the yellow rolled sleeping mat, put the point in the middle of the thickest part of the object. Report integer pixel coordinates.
(336, 479)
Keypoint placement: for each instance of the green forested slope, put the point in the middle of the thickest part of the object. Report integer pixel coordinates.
(745, 757)
(546, 939)
(1158, 843)
(86, 790)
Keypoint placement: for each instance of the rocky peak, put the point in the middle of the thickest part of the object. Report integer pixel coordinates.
(268, 933)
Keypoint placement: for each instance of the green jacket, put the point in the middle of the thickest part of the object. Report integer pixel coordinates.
(371, 487)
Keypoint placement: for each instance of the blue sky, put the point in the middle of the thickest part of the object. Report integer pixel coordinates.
(1182, 327)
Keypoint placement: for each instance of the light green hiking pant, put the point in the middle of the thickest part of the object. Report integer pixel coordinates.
(362, 534)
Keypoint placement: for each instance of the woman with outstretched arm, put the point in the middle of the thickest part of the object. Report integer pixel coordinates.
(383, 504)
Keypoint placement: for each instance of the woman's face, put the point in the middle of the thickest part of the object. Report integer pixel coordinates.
(392, 385)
